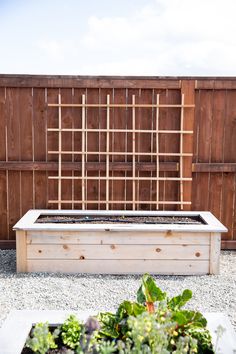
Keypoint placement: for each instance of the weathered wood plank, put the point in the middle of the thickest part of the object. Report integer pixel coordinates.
(98, 166)
(213, 167)
(39, 149)
(121, 251)
(188, 267)
(172, 145)
(118, 121)
(215, 83)
(67, 144)
(66, 81)
(3, 174)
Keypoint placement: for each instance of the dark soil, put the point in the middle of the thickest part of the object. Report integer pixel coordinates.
(51, 351)
(118, 219)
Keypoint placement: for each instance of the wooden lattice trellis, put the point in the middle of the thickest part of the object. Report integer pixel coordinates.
(108, 153)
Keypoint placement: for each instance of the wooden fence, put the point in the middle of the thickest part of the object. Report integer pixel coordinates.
(117, 143)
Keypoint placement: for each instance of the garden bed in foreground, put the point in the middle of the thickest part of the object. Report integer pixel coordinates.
(154, 323)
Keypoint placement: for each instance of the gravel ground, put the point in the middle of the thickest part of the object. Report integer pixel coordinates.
(103, 292)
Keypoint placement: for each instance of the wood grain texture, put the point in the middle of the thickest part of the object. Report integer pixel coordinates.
(215, 254)
(129, 238)
(114, 251)
(21, 252)
(3, 174)
(187, 88)
(120, 266)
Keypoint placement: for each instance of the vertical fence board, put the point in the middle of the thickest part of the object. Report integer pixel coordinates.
(187, 89)
(3, 174)
(204, 149)
(13, 149)
(144, 120)
(92, 144)
(77, 114)
(52, 142)
(26, 147)
(119, 122)
(216, 179)
(40, 146)
(67, 139)
(228, 196)
(172, 144)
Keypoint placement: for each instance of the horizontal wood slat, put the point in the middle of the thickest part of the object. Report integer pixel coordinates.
(181, 267)
(214, 167)
(88, 82)
(98, 238)
(90, 166)
(114, 251)
(217, 84)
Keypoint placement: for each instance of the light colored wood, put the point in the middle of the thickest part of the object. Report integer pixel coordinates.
(117, 202)
(133, 178)
(119, 178)
(28, 222)
(181, 152)
(60, 150)
(118, 238)
(107, 150)
(92, 130)
(215, 244)
(117, 251)
(113, 266)
(83, 151)
(121, 153)
(157, 152)
(21, 251)
(124, 105)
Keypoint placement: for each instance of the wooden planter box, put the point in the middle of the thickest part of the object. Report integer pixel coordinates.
(118, 248)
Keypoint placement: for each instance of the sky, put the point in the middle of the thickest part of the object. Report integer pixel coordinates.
(118, 37)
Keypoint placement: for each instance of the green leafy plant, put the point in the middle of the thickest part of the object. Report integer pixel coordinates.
(42, 339)
(71, 331)
(155, 324)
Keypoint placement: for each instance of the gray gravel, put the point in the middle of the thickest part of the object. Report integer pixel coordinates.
(104, 292)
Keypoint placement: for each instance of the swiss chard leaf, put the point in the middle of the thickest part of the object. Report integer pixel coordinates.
(189, 318)
(108, 325)
(149, 292)
(178, 301)
(128, 308)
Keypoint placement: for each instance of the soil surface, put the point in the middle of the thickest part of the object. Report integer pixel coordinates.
(118, 219)
(63, 350)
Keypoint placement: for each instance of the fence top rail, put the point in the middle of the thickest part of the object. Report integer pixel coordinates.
(134, 82)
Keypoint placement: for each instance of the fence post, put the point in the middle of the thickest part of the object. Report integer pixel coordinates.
(188, 89)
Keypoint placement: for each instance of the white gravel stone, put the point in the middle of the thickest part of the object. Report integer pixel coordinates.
(35, 291)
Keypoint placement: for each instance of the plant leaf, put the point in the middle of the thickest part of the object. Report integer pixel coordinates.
(179, 301)
(148, 291)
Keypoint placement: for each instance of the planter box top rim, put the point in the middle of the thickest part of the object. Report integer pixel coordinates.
(27, 222)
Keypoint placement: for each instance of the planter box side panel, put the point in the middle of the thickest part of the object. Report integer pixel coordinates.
(118, 252)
